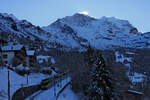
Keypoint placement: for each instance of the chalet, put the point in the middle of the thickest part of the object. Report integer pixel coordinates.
(17, 54)
(10, 51)
(138, 80)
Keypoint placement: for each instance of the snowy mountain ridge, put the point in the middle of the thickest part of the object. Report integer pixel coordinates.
(9, 23)
(77, 31)
(104, 33)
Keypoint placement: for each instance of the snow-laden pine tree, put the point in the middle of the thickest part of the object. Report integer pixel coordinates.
(100, 87)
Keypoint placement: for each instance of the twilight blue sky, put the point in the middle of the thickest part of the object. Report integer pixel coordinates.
(44, 12)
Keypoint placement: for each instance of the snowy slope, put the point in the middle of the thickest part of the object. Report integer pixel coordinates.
(9, 23)
(16, 81)
(68, 94)
(14, 30)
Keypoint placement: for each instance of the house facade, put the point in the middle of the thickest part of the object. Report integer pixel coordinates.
(30, 58)
(8, 57)
(16, 54)
(138, 80)
(10, 51)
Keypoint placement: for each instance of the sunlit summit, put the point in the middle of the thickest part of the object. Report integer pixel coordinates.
(84, 12)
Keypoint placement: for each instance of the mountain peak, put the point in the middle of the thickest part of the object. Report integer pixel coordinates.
(77, 19)
(79, 15)
(8, 16)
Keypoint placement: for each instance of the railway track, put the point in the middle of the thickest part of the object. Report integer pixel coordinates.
(23, 93)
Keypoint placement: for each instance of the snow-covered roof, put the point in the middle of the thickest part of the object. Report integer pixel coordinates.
(136, 92)
(12, 47)
(30, 52)
(42, 57)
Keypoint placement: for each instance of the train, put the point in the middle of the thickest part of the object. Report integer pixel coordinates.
(45, 84)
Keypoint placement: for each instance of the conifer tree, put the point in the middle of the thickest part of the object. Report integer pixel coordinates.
(100, 81)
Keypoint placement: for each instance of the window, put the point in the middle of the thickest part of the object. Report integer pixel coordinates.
(6, 62)
(5, 56)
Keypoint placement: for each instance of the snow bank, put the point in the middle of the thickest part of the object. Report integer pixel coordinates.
(42, 58)
(30, 52)
(121, 58)
(52, 60)
(17, 81)
(68, 94)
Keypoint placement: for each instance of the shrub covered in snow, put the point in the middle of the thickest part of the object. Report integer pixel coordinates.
(20, 69)
(42, 59)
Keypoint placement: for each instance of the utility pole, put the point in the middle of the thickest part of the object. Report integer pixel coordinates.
(27, 79)
(8, 85)
(54, 87)
(66, 77)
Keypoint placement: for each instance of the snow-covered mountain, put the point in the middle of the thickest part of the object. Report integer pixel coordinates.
(104, 33)
(75, 32)
(9, 23)
(14, 30)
